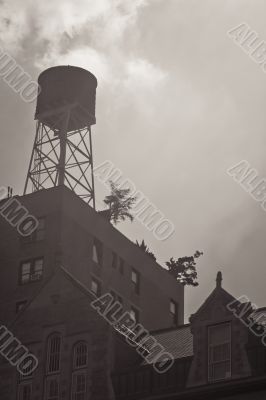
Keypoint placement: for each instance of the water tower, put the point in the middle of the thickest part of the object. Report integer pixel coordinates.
(62, 150)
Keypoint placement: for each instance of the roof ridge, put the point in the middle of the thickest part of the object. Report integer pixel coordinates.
(69, 276)
(172, 328)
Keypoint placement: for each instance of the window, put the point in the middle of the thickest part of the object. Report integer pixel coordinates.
(80, 356)
(114, 260)
(134, 314)
(25, 272)
(24, 391)
(174, 312)
(121, 266)
(95, 287)
(219, 349)
(79, 386)
(80, 360)
(135, 280)
(53, 353)
(52, 389)
(31, 271)
(97, 252)
(20, 305)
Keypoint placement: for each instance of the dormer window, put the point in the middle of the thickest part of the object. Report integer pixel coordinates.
(219, 352)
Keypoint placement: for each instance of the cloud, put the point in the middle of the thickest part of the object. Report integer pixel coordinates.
(102, 22)
(84, 57)
(87, 33)
(141, 73)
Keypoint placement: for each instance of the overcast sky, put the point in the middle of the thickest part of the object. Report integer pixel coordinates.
(178, 103)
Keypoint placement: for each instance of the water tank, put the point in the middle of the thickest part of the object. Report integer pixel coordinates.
(64, 86)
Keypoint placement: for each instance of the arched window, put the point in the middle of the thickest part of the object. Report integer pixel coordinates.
(53, 353)
(80, 355)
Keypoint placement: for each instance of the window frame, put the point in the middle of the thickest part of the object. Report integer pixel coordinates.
(175, 314)
(75, 374)
(136, 285)
(99, 286)
(98, 246)
(32, 271)
(76, 367)
(229, 360)
(50, 372)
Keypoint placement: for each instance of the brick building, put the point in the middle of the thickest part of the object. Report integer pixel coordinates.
(73, 234)
(47, 283)
(216, 357)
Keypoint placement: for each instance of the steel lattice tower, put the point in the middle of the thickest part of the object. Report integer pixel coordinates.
(62, 149)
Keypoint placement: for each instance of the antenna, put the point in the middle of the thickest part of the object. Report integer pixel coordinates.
(62, 149)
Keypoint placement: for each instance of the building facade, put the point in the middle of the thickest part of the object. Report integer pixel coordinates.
(217, 356)
(74, 235)
(48, 282)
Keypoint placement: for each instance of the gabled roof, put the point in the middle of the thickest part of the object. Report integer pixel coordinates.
(217, 293)
(57, 271)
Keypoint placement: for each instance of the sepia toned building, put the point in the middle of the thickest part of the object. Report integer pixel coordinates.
(50, 277)
(72, 234)
(48, 281)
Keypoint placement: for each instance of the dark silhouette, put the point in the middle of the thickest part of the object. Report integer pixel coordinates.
(119, 203)
(184, 269)
(145, 248)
